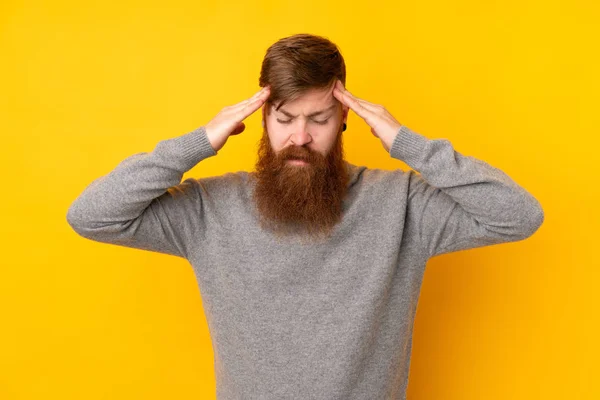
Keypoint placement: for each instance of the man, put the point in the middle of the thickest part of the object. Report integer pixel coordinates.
(310, 267)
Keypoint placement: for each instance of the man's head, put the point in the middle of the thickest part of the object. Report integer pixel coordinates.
(301, 173)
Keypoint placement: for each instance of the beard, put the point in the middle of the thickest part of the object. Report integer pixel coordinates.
(300, 198)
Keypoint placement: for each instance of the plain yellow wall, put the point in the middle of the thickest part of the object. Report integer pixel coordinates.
(514, 83)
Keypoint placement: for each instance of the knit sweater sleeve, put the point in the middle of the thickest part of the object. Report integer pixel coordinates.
(142, 202)
(458, 202)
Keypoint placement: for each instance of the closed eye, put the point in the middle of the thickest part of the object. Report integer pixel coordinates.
(288, 121)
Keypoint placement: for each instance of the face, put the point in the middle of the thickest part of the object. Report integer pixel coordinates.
(301, 176)
(312, 121)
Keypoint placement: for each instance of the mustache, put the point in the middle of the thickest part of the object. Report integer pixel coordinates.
(298, 153)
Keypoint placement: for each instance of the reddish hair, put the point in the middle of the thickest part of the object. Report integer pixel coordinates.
(300, 62)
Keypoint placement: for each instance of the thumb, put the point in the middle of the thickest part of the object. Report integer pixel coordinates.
(239, 129)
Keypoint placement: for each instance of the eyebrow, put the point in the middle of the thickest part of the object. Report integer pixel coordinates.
(309, 115)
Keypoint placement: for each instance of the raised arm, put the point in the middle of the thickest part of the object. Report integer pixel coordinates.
(142, 202)
(459, 202)
(456, 202)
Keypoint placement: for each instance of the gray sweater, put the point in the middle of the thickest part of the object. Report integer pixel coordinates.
(296, 320)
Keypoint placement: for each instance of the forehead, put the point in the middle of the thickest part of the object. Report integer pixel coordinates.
(311, 101)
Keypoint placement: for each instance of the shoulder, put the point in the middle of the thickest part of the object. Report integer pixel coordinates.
(230, 182)
(366, 177)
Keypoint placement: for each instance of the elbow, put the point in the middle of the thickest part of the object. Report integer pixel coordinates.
(98, 230)
(75, 220)
(533, 221)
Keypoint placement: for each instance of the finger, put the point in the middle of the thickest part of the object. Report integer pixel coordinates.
(374, 108)
(366, 104)
(261, 94)
(351, 102)
(369, 106)
(249, 108)
(238, 129)
(346, 95)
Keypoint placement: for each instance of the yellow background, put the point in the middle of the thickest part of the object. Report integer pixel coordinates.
(514, 83)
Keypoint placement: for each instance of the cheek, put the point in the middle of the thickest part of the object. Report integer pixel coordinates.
(277, 138)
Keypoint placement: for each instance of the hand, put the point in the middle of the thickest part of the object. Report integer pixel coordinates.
(229, 120)
(383, 125)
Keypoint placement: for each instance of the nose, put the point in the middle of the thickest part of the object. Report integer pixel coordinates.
(301, 136)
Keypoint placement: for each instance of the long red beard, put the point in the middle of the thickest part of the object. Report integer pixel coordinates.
(305, 198)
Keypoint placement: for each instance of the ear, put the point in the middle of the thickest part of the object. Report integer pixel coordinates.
(345, 110)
